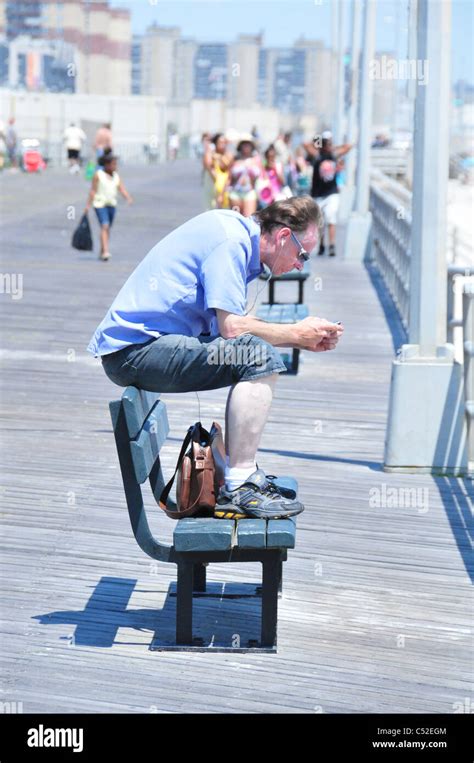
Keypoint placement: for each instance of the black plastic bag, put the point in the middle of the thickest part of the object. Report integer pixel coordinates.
(82, 237)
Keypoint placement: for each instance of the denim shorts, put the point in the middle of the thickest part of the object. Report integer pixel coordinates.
(106, 215)
(176, 363)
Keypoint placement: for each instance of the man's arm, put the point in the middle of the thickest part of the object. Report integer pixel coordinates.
(339, 151)
(314, 334)
(311, 149)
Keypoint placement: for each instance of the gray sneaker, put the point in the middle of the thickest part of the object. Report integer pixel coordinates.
(259, 498)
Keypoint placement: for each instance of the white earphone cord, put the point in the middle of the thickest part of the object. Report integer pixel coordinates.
(262, 287)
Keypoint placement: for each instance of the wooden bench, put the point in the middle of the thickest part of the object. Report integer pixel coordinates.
(140, 427)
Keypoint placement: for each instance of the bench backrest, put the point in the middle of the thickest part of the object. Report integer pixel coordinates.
(140, 427)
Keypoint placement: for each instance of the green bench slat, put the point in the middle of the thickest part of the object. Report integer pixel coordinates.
(302, 311)
(288, 314)
(137, 404)
(251, 533)
(204, 534)
(281, 533)
(222, 534)
(146, 447)
(282, 313)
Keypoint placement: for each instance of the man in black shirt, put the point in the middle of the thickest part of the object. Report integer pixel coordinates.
(324, 186)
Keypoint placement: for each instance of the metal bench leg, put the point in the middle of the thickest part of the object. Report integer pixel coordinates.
(280, 579)
(300, 292)
(271, 582)
(296, 360)
(271, 292)
(184, 604)
(199, 577)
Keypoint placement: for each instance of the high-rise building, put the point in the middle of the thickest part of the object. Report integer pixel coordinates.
(3, 63)
(158, 60)
(211, 69)
(40, 65)
(285, 79)
(262, 86)
(183, 73)
(98, 37)
(290, 81)
(319, 92)
(243, 79)
(22, 17)
(136, 55)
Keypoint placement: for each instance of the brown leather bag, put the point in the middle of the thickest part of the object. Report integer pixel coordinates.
(200, 473)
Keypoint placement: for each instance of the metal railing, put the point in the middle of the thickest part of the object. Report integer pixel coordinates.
(468, 336)
(391, 161)
(460, 245)
(391, 221)
(456, 275)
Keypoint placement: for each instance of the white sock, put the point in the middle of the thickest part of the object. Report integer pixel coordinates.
(236, 476)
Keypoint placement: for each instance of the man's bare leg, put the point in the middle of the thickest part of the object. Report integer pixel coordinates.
(247, 409)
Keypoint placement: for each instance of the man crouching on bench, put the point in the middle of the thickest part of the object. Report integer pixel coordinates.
(180, 324)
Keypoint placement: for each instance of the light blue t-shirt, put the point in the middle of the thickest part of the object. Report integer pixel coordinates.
(202, 265)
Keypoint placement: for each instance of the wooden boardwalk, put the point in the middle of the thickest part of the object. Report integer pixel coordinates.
(376, 614)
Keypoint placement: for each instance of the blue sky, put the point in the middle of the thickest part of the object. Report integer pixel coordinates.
(282, 21)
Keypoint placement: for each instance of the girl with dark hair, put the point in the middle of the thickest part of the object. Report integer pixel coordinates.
(103, 197)
(270, 184)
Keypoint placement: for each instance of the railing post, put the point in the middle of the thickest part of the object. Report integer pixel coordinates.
(451, 282)
(347, 192)
(357, 235)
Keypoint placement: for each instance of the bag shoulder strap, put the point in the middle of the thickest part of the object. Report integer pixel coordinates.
(166, 490)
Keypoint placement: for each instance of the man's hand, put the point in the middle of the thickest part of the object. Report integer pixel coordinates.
(317, 334)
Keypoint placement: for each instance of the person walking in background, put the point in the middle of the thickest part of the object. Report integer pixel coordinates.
(285, 156)
(304, 172)
(173, 146)
(271, 182)
(216, 163)
(244, 171)
(324, 187)
(11, 142)
(74, 138)
(206, 144)
(3, 145)
(103, 197)
(256, 137)
(103, 140)
(206, 180)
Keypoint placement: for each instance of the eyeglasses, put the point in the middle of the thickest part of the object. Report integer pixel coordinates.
(303, 255)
